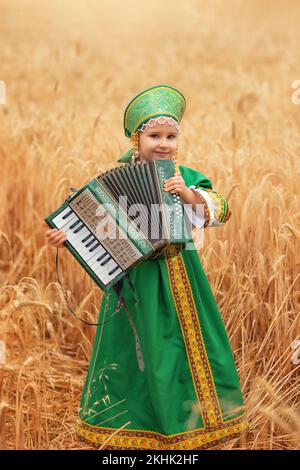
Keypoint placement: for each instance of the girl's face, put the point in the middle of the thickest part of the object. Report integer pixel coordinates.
(158, 142)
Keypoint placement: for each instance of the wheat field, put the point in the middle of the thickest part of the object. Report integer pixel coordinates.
(69, 70)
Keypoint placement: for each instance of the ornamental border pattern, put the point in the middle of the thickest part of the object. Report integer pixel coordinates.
(153, 115)
(195, 348)
(129, 439)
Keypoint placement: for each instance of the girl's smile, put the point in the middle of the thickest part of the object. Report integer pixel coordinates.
(162, 153)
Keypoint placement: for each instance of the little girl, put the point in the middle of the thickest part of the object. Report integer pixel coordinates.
(187, 395)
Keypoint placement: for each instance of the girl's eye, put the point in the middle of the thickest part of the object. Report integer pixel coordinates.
(156, 135)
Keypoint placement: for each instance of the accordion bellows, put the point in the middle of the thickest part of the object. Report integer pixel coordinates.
(121, 218)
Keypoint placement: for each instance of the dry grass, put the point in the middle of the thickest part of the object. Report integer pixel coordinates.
(70, 69)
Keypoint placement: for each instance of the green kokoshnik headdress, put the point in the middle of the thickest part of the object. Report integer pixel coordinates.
(160, 100)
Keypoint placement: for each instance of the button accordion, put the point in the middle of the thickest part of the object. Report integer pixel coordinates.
(121, 218)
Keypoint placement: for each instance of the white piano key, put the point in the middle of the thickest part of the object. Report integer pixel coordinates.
(90, 255)
(108, 277)
(87, 256)
(85, 251)
(78, 229)
(94, 261)
(62, 214)
(105, 268)
(65, 228)
(91, 242)
(102, 271)
(76, 238)
(88, 238)
(107, 281)
(75, 224)
(117, 272)
(83, 246)
(70, 221)
(80, 247)
(94, 246)
(59, 221)
(78, 241)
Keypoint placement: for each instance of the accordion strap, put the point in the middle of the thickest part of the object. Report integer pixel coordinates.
(67, 301)
(118, 288)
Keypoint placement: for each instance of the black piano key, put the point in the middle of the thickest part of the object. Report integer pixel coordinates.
(86, 238)
(94, 247)
(67, 214)
(79, 228)
(74, 225)
(105, 261)
(102, 256)
(90, 242)
(113, 270)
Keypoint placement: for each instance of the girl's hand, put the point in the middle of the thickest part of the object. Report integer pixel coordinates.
(54, 237)
(175, 184)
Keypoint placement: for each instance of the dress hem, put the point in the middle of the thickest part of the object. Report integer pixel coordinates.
(130, 439)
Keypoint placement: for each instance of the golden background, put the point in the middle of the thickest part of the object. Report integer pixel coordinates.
(70, 68)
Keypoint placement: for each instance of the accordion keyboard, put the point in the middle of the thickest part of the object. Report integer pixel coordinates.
(87, 246)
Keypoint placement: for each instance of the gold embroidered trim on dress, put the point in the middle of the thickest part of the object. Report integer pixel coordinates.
(136, 439)
(197, 356)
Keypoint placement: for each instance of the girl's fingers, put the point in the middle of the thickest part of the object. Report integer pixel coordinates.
(51, 232)
(174, 179)
(173, 184)
(60, 238)
(54, 231)
(59, 234)
(53, 235)
(172, 187)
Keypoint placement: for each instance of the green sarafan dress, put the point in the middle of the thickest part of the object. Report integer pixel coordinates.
(188, 396)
